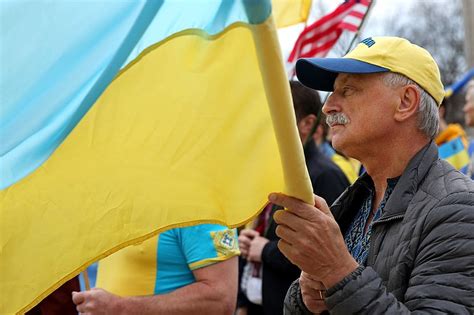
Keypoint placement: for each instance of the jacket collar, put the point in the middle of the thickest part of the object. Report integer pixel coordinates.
(410, 180)
(346, 206)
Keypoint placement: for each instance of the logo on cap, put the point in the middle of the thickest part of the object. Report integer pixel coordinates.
(368, 41)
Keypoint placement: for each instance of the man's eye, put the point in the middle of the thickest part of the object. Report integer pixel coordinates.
(347, 91)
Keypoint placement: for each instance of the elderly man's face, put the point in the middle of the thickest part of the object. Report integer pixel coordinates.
(360, 113)
(469, 107)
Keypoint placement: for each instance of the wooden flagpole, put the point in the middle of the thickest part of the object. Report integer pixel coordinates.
(87, 283)
(362, 24)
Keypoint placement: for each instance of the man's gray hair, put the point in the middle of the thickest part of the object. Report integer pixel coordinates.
(428, 116)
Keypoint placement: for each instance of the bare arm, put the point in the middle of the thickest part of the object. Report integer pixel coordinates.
(214, 292)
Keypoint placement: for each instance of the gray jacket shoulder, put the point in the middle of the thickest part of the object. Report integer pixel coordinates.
(443, 181)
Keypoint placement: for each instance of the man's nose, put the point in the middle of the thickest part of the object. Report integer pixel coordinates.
(330, 105)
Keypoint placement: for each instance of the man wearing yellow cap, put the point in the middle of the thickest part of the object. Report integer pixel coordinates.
(401, 238)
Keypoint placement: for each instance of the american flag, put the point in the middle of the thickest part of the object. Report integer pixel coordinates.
(318, 38)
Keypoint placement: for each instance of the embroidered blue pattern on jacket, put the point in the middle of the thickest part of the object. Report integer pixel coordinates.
(356, 240)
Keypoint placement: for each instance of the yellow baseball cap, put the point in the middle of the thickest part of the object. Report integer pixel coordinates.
(375, 55)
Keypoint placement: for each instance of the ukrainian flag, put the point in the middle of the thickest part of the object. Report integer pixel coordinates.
(455, 153)
(120, 119)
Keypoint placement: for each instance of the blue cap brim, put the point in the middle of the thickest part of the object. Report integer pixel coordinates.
(320, 73)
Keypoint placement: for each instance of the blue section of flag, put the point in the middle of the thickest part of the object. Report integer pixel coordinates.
(212, 16)
(58, 58)
(57, 70)
(458, 85)
(451, 148)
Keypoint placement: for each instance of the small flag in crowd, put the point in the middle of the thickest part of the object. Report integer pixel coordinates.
(318, 38)
(456, 153)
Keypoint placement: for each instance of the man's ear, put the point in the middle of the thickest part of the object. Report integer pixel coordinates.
(409, 103)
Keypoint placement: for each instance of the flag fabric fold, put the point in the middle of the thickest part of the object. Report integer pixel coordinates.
(131, 117)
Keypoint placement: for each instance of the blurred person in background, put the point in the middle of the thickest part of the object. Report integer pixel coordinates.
(469, 120)
(452, 141)
(262, 262)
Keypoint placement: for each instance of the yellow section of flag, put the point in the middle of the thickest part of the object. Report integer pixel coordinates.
(459, 160)
(289, 12)
(197, 129)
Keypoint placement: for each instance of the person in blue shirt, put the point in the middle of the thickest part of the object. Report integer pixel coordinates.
(180, 271)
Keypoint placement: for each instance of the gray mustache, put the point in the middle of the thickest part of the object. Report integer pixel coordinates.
(336, 119)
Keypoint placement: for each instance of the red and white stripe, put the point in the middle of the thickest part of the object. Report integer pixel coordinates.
(318, 38)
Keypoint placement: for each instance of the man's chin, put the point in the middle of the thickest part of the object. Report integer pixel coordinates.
(338, 144)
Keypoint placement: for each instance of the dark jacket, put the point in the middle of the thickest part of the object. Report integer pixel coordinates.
(327, 179)
(278, 272)
(421, 256)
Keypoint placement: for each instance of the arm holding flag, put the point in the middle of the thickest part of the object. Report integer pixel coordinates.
(208, 295)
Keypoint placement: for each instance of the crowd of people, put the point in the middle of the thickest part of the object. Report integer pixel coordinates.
(393, 236)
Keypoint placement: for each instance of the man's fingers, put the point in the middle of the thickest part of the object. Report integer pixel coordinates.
(286, 234)
(294, 205)
(311, 279)
(285, 201)
(77, 297)
(316, 306)
(249, 233)
(246, 236)
(316, 286)
(286, 249)
(288, 219)
(81, 308)
(316, 280)
(255, 240)
(322, 205)
(244, 240)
